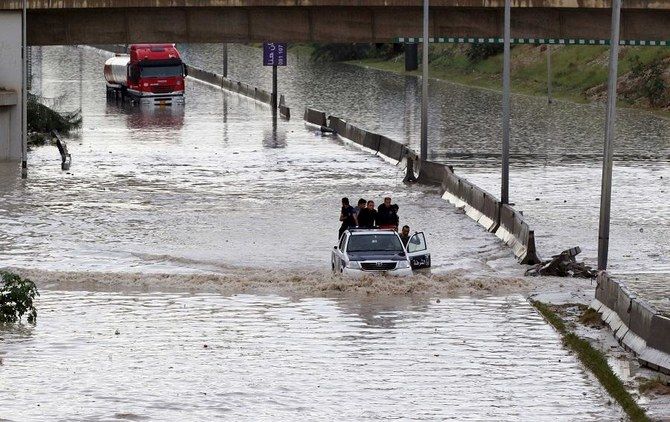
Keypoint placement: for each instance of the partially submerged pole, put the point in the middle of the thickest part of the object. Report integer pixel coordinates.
(549, 100)
(608, 153)
(273, 100)
(24, 95)
(225, 60)
(424, 92)
(504, 194)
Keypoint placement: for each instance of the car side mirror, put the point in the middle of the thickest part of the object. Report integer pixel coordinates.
(335, 247)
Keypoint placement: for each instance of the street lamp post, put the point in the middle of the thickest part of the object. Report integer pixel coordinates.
(504, 194)
(608, 153)
(424, 91)
(24, 95)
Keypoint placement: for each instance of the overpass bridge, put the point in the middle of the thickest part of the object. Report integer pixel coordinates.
(60, 22)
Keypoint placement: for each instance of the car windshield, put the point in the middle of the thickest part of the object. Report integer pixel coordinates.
(161, 71)
(374, 243)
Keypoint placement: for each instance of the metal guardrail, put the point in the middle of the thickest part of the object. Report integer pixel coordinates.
(532, 41)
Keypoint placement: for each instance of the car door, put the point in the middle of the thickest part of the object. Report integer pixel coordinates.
(338, 254)
(417, 251)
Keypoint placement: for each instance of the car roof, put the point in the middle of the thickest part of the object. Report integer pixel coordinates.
(372, 231)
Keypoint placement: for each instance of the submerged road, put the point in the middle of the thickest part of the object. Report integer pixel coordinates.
(213, 189)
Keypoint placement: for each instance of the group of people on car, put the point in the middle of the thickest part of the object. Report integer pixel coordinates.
(366, 216)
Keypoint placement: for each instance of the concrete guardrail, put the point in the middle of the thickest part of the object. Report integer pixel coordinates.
(637, 325)
(481, 206)
(241, 88)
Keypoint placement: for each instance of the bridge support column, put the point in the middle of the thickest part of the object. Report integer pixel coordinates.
(11, 85)
(411, 57)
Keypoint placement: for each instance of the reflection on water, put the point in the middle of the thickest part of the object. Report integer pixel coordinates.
(157, 356)
(464, 123)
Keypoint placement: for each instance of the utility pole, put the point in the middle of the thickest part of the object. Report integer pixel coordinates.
(549, 100)
(608, 153)
(225, 60)
(273, 101)
(424, 92)
(24, 94)
(504, 194)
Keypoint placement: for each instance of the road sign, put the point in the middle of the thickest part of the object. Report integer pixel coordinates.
(274, 54)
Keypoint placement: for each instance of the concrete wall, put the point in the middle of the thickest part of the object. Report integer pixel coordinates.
(10, 79)
(481, 206)
(346, 21)
(637, 325)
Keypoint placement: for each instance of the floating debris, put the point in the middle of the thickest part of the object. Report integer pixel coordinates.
(563, 265)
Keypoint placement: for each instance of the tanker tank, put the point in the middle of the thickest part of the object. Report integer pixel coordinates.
(116, 70)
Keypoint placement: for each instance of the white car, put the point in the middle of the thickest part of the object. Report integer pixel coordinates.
(376, 251)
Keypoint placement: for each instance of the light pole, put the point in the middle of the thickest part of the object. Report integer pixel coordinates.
(424, 91)
(24, 94)
(504, 187)
(608, 153)
(549, 100)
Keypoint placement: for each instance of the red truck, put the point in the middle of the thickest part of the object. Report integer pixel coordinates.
(150, 74)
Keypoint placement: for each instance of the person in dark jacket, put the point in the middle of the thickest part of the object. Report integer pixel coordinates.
(347, 216)
(404, 235)
(387, 215)
(367, 216)
(361, 206)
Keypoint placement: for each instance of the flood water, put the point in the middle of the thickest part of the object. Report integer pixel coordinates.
(167, 215)
(165, 356)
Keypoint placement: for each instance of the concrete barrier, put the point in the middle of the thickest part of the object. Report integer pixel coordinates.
(237, 87)
(431, 173)
(336, 124)
(392, 149)
(514, 231)
(315, 117)
(637, 325)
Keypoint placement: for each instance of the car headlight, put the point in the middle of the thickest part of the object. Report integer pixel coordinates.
(402, 264)
(353, 265)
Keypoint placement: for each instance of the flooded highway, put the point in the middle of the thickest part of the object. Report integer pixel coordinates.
(556, 153)
(181, 228)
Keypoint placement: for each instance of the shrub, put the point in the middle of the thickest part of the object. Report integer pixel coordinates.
(335, 52)
(478, 52)
(43, 119)
(16, 298)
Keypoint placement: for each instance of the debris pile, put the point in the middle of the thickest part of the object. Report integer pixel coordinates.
(563, 265)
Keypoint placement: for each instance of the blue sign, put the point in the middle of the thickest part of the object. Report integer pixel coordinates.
(274, 54)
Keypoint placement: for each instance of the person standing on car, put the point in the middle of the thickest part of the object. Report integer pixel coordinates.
(347, 216)
(387, 215)
(361, 206)
(368, 216)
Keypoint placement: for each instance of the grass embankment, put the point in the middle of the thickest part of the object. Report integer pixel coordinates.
(579, 73)
(595, 361)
